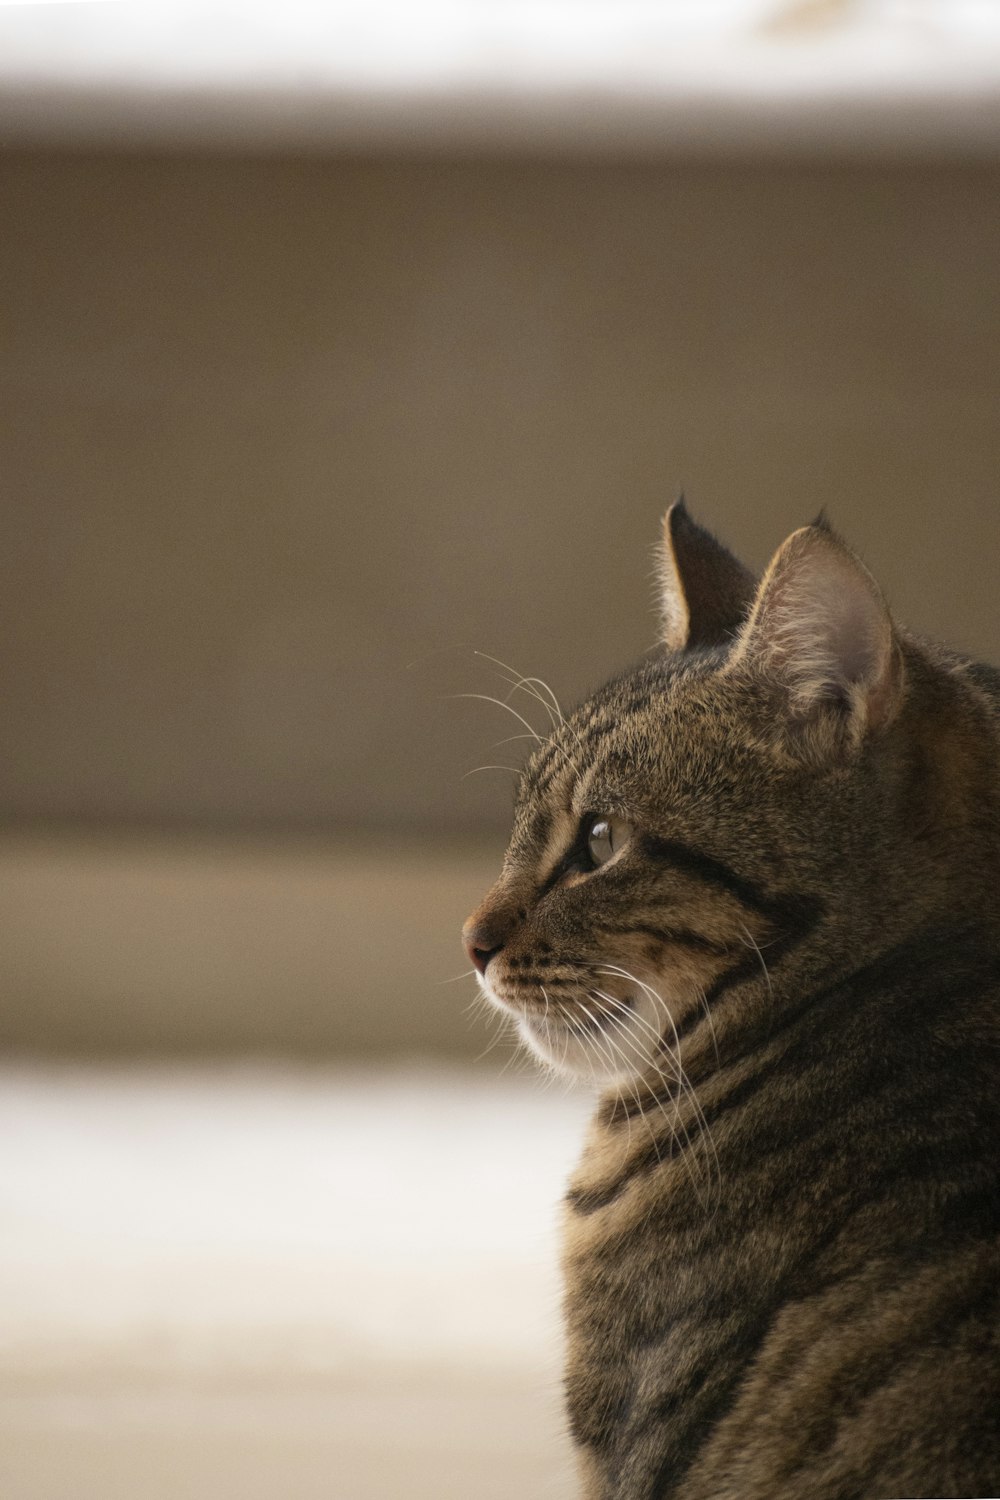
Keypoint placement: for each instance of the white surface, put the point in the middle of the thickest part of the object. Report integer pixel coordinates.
(251, 1283)
(542, 72)
(266, 1219)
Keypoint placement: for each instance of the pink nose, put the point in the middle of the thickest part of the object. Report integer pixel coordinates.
(481, 945)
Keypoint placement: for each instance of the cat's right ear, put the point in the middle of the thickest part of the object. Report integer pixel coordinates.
(705, 592)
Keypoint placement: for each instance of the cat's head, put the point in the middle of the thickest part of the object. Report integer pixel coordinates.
(731, 806)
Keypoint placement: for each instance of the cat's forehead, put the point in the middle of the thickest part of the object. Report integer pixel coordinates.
(624, 746)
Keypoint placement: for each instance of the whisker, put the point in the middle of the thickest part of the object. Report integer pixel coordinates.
(646, 1064)
(525, 682)
(751, 942)
(639, 1020)
(500, 1023)
(595, 1036)
(510, 738)
(632, 1084)
(711, 1180)
(530, 684)
(684, 1083)
(532, 732)
(488, 698)
(630, 1069)
(711, 1025)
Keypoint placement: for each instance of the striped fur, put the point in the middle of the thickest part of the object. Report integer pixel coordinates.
(781, 1243)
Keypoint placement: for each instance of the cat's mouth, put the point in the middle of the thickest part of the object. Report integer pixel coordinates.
(589, 1012)
(593, 1036)
(596, 1032)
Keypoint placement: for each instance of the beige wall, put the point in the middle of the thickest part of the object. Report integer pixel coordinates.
(288, 440)
(159, 946)
(285, 442)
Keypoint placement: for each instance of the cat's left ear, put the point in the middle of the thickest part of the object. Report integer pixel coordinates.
(821, 633)
(705, 592)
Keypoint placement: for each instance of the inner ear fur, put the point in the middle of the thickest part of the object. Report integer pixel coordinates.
(705, 592)
(821, 632)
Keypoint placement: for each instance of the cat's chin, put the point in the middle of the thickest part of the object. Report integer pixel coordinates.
(609, 1051)
(602, 1038)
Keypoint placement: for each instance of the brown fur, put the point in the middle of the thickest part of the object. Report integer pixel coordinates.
(781, 1243)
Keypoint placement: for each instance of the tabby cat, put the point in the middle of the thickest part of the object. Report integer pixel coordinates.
(752, 892)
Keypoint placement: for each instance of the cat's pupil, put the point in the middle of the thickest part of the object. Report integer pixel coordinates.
(604, 840)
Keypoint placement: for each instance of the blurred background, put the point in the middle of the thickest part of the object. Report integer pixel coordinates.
(349, 360)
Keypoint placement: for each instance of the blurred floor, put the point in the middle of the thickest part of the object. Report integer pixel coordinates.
(272, 1281)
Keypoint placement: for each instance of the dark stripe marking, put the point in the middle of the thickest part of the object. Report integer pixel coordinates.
(684, 937)
(714, 872)
(852, 989)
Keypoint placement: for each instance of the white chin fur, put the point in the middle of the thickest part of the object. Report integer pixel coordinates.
(615, 1053)
(625, 1046)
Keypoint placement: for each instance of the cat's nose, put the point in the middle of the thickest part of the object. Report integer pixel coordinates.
(481, 944)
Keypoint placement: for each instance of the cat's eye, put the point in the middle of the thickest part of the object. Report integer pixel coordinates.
(605, 837)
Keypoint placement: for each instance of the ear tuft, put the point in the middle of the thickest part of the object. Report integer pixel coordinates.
(705, 592)
(821, 631)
